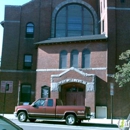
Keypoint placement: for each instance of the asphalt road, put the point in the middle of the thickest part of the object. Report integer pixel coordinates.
(52, 125)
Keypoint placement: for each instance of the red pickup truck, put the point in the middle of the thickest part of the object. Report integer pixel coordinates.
(52, 109)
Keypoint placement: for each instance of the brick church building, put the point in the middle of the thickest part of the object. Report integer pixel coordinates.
(65, 49)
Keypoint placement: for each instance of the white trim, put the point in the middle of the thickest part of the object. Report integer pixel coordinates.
(74, 69)
(115, 8)
(18, 71)
(7, 21)
(44, 70)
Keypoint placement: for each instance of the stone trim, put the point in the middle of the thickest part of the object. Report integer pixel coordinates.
(56, 86)
(115, 8)
(90, 87)
(44, 70)
(74, 69)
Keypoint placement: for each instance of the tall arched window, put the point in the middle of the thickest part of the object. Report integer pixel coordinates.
(74, 58)
(85, 58)
(63, 59)
(74, 20)
(45, 92)
(29, 30)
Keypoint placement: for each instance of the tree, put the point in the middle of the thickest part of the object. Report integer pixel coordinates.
(122, 76)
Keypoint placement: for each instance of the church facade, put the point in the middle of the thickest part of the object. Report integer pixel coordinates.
(65, 49)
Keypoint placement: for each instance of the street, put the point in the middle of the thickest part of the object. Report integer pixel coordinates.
(52, 125)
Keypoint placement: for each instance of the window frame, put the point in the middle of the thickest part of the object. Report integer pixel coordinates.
(86, 56)
(29, 34)
(47, 89)
(74, 58)
(25, 97)
(65, 33)
(63, 59)
(25, 66)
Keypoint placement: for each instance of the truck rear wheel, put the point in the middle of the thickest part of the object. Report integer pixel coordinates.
(70, 119)
(22, 116)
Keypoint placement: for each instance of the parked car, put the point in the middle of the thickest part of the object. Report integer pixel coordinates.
(51, 108)
(6, 124)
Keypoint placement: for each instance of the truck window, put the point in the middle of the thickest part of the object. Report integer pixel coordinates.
(50, 103)
(40, 102)
(59, 102)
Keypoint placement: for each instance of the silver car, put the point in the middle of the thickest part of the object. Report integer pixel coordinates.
(6, 124)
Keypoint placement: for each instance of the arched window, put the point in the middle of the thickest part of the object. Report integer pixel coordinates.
(29, 30)
(45, 92)
(63, 59)
(74, 20)
(85, 58)
(74, 58)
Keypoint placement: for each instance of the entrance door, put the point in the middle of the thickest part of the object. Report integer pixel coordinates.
(75, 96)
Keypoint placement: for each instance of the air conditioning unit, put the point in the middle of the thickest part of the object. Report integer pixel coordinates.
(101, 112)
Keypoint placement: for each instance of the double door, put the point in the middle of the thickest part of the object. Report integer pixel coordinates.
(75, 96)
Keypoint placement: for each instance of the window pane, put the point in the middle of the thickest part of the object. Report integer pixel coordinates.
(30, 27)
(50, 102)
(63, 59)
(86, 58)
(27, 61)
(70, 23)
(29, 30)
(74, 58)
(28, 58)
(25, 93)
(45, 92)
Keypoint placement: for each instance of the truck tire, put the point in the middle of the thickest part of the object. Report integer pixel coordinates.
(70, 119)
(22, 116)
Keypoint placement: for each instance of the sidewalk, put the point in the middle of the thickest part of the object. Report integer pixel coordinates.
(93, 120)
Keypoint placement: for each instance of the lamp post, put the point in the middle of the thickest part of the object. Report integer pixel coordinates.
(111, 94)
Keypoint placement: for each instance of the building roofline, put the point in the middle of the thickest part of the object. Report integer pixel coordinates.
(73, 39)
(2, 23)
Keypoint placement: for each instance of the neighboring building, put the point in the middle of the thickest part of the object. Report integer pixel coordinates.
(65, 49)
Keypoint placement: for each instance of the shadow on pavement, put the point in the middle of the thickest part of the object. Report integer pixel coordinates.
(82, 124)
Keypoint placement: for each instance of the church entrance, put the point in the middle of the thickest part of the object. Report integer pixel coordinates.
(73, 94)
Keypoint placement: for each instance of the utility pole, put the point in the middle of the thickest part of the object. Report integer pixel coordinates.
(6, 89)
(111, 94)
(18, 93)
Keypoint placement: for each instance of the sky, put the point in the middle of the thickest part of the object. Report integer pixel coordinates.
(2, 10)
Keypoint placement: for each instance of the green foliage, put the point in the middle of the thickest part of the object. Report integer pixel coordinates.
(122, 124)
(122, 76)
